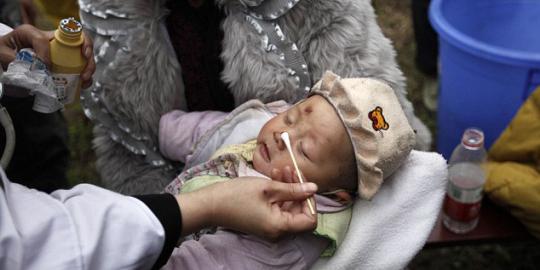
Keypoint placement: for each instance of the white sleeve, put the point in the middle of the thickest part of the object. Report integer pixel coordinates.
(86, 227)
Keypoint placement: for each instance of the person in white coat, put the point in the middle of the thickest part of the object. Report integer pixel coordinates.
(88, 227)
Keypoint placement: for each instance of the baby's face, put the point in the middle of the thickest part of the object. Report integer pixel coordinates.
(319, 142)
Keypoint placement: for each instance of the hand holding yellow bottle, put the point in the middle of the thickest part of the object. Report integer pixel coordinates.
(27, 36)
(67, 60)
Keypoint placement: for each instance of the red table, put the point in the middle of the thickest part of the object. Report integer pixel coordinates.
(495, 224)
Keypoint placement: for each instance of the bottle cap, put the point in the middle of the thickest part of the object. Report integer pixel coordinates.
(70, 26)
(69, 32)
(473, 138)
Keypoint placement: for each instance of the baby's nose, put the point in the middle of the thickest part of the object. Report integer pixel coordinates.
(279, 142)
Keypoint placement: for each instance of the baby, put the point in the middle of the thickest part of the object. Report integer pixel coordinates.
(347, 136)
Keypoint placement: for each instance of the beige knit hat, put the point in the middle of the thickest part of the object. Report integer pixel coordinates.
(380, 133)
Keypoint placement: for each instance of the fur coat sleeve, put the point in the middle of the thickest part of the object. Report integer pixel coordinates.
(137, 80)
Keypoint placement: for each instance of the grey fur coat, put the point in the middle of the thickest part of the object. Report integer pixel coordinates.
(138, 78)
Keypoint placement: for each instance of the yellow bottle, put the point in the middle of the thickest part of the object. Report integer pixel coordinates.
(67, 61)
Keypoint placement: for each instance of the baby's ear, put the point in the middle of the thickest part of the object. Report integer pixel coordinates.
(343, 197)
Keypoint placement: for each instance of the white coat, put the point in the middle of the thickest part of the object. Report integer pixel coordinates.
(86, 227)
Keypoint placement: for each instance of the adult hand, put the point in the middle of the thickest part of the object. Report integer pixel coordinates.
(288, 175)
(27, 36)
(250, 205)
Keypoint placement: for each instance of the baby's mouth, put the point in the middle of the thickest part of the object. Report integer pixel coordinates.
(264, 152)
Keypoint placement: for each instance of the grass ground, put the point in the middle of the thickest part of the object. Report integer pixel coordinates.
(82, 157)
(395, 21)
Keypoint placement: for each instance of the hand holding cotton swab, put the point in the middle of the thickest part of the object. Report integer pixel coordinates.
(287, 141)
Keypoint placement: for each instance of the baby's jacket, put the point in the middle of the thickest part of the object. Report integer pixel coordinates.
(226, 249)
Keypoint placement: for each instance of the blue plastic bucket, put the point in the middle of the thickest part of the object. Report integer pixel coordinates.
(490, 64)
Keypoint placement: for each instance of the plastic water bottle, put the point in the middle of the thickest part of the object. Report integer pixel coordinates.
(463, 200)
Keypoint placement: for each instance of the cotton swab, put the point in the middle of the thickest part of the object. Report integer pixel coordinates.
(287, 141)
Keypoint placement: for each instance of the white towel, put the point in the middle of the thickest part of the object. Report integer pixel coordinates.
(386, 232)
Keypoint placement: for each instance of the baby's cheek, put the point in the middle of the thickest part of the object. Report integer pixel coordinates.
(259, 165)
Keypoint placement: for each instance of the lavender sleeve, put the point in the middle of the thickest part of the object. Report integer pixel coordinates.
(179, 131)
(232, 250)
